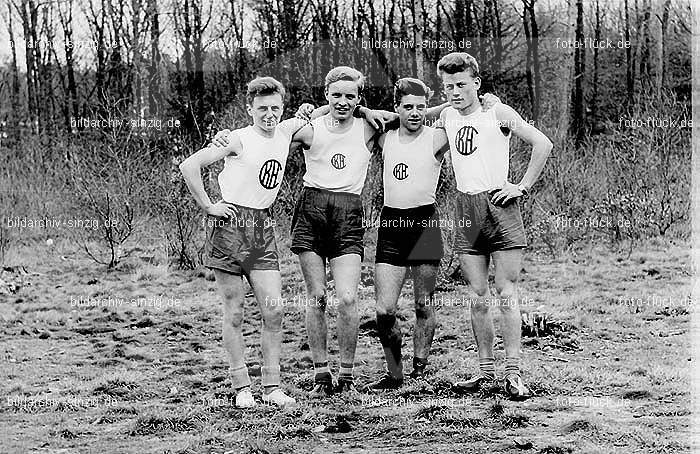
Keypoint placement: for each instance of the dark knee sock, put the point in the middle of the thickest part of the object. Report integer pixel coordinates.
(390, 338)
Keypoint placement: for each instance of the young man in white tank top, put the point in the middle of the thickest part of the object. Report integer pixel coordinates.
(487, 211)
(242, 240)
(328, 225)
(409, 237)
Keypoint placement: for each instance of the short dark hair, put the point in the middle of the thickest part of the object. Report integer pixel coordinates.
(410, 86)
(456, 62)
(264, 86)
(345, 73)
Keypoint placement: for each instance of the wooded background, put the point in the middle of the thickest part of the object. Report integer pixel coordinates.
(189, 60)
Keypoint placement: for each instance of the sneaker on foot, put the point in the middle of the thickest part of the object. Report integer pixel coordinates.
(279, 398)
(244, 399)
(387, 381)
(473, 384)
(418, 371)
(347, 387)
(515, 388)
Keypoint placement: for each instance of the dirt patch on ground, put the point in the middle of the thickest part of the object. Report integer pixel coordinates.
(141, 375)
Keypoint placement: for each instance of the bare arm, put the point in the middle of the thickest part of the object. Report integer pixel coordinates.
(303, 137)
(434, 112)
(292, 126)
(191, 169)
(541, 149)
(320, 111)
(375, 122)
(440, 143)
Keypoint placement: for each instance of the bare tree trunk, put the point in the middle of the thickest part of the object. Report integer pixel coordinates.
(498, 43)
(594, 97)
(154, 95)
(460, 15)
(565, 74)
(577, 123)
(660, 49)
(629, 58)
(14, 89)
(72, 91)
(532, 71)
(417, 9)
(28, 16)
(136, 57)
(528, 59)
(644, 71)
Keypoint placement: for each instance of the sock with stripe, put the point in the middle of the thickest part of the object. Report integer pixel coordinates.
(322, 373)
(239, 377)
(487, 367)
(346, 372)
(512, 365)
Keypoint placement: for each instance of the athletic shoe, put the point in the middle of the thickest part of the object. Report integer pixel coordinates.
(347, 387)
(279, 398)
(322, 389)
(244, 399)
(386, 382)
(418, 369)
(473, 384)
(514, 387)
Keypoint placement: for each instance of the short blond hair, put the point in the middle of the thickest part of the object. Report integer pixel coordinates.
(345, 73)
(264, 86)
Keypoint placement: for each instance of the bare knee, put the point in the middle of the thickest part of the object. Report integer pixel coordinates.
(347, 302)
(424, 308)
(505, 287)
(386, 321)
(316, 301)
(480, 288)
(272, 319)
(233, 313)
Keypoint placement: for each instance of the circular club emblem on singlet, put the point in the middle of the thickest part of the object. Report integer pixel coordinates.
(464, 141)
(270, 174)
(401, 171)
(338, 161)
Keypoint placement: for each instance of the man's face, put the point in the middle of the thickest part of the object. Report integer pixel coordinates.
(342, 97)
(266, 111)
(461, 89)
(411, 111)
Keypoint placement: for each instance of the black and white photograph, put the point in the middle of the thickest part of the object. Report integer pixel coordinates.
(349, 226)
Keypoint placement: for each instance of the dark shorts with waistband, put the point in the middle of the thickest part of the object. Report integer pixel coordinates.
(409, 237)
(328, 223)
(242, 243)
(483, 227)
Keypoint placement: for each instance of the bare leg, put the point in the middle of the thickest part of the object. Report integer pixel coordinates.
(475, 269)
(314, 270)
(346, 275)
(231, 291)
(267, 286)
(388, 281)
(424, 279)
(507, 273)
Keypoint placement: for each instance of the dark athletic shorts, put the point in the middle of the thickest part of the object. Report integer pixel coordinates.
(242, 243)
(483, 227)
(409, 237)
(328, 223)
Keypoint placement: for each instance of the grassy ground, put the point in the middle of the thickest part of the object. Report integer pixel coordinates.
(127, 378)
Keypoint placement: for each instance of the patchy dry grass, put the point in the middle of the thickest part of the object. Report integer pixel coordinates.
(137, 377)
